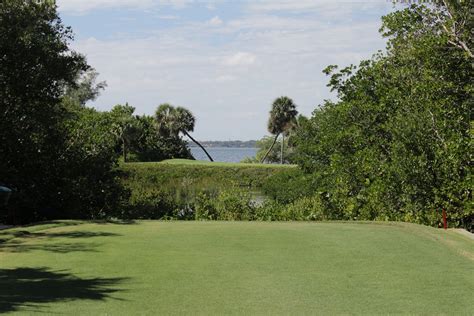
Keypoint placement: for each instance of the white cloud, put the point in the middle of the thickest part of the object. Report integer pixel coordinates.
(240, 59)
(229, 75)
(211, 6)
(215, 21)
(82, 6)
(225, 78)
(310, 5)
(168, 17)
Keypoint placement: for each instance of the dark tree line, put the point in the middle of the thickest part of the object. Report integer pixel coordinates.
(59, 156)
(398, 143)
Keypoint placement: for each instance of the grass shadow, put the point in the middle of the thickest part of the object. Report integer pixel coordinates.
(31, 288)
(72, 234)
(51, 247)
(18, 241)
(116, 221)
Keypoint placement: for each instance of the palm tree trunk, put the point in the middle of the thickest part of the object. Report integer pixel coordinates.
(269, 150)
(282, 147)
(197, 143)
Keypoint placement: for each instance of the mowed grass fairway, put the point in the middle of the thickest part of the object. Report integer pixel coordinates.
(153, 267)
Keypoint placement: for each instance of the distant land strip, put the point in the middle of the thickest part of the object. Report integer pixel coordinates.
(226, 143)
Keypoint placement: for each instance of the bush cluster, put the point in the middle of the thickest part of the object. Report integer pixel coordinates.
(230, 204)
(394, 147)
(182, 191)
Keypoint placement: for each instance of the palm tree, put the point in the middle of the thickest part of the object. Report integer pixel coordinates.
(172, 120)
(125, 126)
(282, 117)
(165, 120)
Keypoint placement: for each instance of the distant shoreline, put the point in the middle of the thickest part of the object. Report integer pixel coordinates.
(226, 144)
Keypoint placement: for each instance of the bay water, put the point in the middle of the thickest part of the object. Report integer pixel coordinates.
(224, 154)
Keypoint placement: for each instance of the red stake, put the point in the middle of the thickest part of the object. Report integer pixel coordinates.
(445, 221)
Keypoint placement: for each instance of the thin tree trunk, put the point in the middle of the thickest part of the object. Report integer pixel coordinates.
(271, 147)
(282, 147)
(197, 143)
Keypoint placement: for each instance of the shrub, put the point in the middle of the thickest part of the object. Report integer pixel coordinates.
(235, 204)
(304, 209)
(288, 185)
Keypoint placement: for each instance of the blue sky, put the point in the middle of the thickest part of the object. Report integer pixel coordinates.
(224, 60)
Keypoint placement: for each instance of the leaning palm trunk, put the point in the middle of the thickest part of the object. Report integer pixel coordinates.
(197, 143)
(269, 150)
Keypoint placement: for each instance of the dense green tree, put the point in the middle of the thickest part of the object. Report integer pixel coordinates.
(94, 187)
(397, 145)
(125, 127)
(456, 21)
(36, 65)
(155, 144)
(174, 120)
(58, 155)
(282, 117)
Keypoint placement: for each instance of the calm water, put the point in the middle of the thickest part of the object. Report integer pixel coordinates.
(224, 154)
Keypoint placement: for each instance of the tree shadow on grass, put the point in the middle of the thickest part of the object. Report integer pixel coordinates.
(18, 241)
(31, 288)
(51, 247)
(73, 234)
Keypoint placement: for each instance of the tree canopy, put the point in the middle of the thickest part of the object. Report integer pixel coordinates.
(59, 156)
(282, 116)
(174, 120)
(398, 143)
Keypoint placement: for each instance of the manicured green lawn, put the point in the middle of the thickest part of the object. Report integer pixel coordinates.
(159, 268)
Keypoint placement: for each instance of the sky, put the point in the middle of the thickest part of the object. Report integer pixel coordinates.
(226, 61)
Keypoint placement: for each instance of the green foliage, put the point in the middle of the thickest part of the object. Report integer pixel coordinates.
(228, 205)
(271, 146)
(171, 121)
(94, 179)
(58, 155)
(168, 174)
(304, 209)
(282, 115)
(282, 119)
(264, 146)
(125, 127)
(194, 191)
(35, 68)
(215, 192)
(397, 146)
(152, 145)
(142, 139)
(288, 185)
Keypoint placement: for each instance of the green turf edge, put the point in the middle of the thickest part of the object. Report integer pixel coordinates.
(456, 242)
